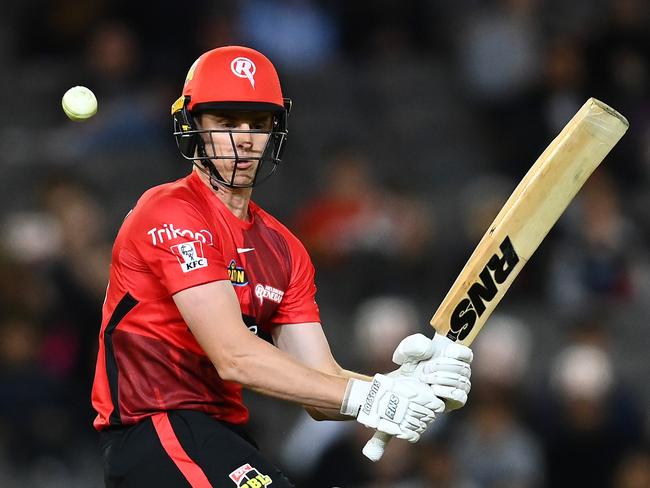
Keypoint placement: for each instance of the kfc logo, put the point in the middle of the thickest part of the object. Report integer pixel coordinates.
(190, 255)
(244, 68)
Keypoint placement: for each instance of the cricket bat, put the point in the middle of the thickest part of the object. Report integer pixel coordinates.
(517, 231)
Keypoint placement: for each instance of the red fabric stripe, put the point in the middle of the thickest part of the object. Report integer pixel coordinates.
(192, 472)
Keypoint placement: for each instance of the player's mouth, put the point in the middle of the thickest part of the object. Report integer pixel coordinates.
(242, 164)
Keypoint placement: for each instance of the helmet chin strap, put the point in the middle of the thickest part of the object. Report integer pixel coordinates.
(208, 169)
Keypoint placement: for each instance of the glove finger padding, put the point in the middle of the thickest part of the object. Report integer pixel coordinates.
(389, 427)
(399, 431)
(442, 378)
(436, 405)
(454, 398)
(443, 346)
(409, 435)
(412, 349)
(444, 364)
(415, 423)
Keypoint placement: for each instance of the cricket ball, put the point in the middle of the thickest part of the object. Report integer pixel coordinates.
(79, 103)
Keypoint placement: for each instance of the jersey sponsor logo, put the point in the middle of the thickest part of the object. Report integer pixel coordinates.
(247, 476)
(168, 232)
(237, 274)
(470, 308)
(266, 292)
(190, 255)
(244, 68)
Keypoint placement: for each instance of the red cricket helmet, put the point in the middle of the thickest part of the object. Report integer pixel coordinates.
(231, 78)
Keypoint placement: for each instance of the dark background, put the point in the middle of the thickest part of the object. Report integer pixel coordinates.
(412, 123)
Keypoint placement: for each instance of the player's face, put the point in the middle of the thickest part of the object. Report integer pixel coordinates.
(235, 147)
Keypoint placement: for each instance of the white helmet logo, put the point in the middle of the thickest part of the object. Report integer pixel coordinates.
(243, 68)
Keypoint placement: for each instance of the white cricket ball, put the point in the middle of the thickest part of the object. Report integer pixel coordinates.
(79, 103)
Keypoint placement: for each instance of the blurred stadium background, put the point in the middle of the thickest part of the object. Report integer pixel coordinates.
(412, 123)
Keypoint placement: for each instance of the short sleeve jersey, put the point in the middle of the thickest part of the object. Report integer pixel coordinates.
(180, 235)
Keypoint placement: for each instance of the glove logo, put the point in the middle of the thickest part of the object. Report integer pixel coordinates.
(246, 476)
(244, 68)
(391, 409)
(370, 399)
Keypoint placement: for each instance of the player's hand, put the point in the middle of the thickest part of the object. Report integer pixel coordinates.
(401, 407)
(439, 362)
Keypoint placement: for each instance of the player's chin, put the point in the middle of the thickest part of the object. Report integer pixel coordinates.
(245, 170)
(242, 179)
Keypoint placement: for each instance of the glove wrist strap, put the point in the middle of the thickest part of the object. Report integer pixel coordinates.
(355, 394)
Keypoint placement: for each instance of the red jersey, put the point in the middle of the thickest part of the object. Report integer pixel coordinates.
(181, 235)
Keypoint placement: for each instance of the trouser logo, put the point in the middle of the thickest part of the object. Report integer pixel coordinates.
(246, 476)
(483, 291)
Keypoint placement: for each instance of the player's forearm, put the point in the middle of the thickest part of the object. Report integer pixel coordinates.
(265, 369)
(358, 376)
(244, 358)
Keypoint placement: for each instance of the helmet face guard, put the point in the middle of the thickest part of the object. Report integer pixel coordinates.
(231, 79)
(198, 145)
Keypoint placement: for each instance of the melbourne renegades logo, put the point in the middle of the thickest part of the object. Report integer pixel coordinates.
(190, 255)
(247, 476)
(244, 68)
(266, 292)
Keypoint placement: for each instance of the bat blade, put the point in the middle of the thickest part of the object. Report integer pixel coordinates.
(526, 218)
(521, 225)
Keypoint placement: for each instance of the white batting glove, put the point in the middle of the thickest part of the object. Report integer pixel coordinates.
(401, 407)
(439, 362)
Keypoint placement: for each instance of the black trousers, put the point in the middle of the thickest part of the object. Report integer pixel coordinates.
(184, 448)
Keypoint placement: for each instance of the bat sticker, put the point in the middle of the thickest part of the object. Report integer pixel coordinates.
(495, 272)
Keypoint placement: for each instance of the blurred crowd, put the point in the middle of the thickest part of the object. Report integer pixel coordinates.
(412, 123)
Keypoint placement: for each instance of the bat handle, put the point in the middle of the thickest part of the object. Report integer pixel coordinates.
(374, 448)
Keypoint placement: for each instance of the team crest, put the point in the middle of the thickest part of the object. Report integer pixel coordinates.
(237, 274)
(246, 476)
(244, 68)
(190, 255)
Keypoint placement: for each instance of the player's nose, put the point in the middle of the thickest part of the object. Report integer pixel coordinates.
(244, 140)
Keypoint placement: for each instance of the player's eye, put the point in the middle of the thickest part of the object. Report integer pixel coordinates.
(261, 125)
(264, 123)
